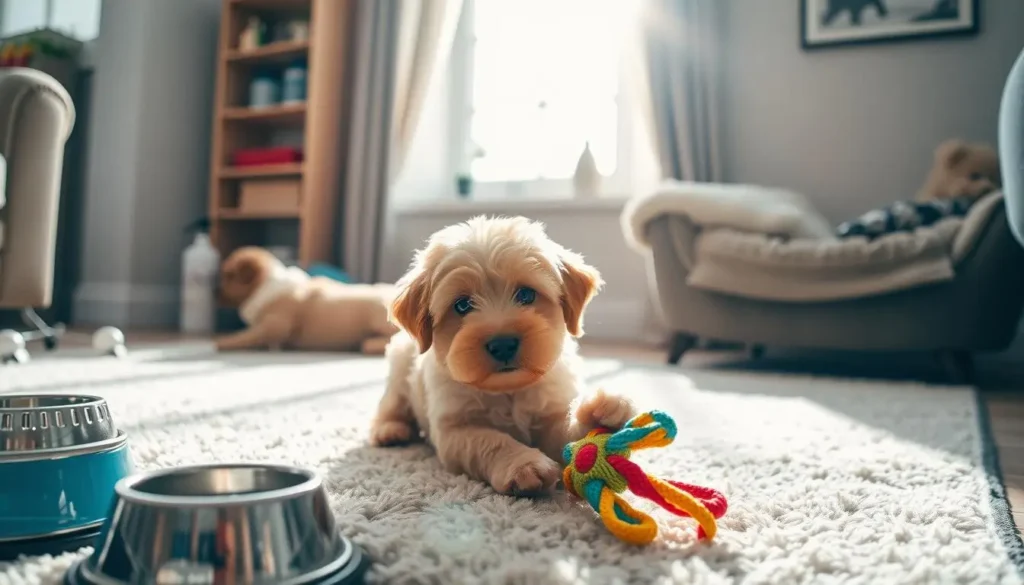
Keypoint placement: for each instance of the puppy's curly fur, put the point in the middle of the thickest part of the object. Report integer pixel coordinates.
(486, 368)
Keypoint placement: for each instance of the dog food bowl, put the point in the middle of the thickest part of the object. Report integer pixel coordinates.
(60, 457)
(213, 524)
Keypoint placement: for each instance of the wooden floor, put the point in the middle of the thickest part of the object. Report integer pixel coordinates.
(1006, 411)
(1000, 377)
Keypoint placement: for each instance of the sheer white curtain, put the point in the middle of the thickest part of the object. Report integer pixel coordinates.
(680, 46)
(399, 47)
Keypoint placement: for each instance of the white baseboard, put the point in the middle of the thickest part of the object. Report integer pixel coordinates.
(124, 304)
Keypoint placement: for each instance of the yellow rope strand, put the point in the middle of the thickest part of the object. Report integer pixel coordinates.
(642, 533)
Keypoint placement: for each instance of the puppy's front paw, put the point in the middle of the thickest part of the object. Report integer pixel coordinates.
(385, 433)
(533, 475)
(605, 410)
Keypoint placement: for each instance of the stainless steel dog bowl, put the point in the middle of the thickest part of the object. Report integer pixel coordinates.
(60, 457)
(212, 524)
(44, 422)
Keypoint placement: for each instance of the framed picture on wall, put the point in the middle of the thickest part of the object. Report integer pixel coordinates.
(828, 23)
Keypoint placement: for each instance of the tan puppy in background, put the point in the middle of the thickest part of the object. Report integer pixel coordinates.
(488, 371)
(285, 308)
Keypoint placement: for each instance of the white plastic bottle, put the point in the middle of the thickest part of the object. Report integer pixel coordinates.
(199, 268)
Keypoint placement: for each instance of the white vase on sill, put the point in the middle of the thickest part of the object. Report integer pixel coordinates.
(587, 179)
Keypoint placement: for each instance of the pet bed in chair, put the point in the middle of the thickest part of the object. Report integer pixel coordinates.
(763, 267)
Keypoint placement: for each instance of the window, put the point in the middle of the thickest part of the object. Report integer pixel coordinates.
(78, 19)
(533, 82)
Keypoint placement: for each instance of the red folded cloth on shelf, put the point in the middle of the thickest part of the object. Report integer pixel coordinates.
(266, 156)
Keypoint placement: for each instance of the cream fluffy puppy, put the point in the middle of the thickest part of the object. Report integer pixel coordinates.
(486, 369)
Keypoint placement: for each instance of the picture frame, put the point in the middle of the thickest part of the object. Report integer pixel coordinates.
(832, 23)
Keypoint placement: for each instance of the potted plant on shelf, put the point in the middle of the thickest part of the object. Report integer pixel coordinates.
(464, 178)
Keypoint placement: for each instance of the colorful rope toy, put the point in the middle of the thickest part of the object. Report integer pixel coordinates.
(599, 469)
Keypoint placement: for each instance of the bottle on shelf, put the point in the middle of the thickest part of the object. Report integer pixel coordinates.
(199, 269)
(294, 83)
(264, 90)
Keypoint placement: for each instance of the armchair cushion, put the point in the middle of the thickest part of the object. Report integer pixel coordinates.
(756, 266)
(802, 270)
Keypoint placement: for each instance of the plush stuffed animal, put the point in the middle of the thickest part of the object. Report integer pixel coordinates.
(961, 169)
(961, 173)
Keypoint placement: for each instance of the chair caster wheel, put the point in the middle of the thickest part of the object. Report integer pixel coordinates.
(19, 357)
(109, 341)
(755, 352)
(12, 347)
(50, 343)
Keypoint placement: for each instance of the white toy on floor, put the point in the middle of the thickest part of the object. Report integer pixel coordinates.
(12, 347)
(109, 341)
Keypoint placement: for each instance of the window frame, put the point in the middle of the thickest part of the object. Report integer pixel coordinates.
(50, 12)
(460, 110)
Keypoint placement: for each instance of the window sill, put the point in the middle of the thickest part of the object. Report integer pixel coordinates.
(524, 206)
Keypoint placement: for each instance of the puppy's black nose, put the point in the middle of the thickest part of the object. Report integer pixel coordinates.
(503, 348)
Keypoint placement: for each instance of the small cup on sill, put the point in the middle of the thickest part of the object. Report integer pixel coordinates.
(464, 186)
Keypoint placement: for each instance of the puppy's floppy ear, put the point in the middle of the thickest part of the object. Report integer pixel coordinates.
(410, 309)
(580, 282)
(951, 152)
(243, 271)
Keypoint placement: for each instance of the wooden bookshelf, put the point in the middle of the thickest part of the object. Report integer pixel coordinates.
(281, 51)
(254, 172)
(241, 215)
(316, 125)
(284, 115)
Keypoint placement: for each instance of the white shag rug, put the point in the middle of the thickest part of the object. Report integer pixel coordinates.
(829, 481)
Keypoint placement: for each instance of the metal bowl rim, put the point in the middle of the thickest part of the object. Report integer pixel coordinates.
(87, 399)
(111, 444)
(125, 488)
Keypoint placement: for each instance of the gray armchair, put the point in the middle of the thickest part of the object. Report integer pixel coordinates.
(954, 288)
(36, 118)
(1011, 146)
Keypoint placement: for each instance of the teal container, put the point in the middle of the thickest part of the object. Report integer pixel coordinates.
(60, 458)
(62, 495)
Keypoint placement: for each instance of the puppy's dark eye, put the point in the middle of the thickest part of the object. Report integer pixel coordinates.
(526, 296)
(463, 306)
(976, 176)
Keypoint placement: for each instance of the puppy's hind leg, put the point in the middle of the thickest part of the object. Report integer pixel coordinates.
(374, 345)
(377, 342)
(394, 423)
(271, 332)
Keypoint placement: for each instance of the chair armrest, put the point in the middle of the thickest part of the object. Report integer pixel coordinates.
(36, 118)
(748, 208)
(978, 220)
(679, 237)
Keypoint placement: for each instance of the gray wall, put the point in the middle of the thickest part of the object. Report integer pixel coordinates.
(148, 156)
(855, 127)
(851, 127)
